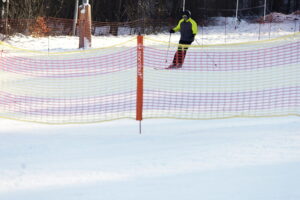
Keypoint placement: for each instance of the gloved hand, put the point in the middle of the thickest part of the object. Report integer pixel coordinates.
(194, 35)
(172, 31)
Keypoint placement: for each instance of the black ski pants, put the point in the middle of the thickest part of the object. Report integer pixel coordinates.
(181, 52)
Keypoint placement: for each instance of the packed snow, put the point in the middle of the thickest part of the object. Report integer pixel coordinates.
(233, 32)
(228, 159)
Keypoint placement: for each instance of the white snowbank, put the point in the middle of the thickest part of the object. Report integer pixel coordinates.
(219, 34)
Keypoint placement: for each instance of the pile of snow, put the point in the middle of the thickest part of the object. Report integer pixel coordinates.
(279, 17)
(1, 37)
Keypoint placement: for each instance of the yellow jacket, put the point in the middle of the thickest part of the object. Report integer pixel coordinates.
(188, 29)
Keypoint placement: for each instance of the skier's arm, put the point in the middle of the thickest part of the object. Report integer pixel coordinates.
(194, 27)
(177, 28)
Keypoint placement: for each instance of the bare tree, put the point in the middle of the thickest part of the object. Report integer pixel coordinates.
(128, 10)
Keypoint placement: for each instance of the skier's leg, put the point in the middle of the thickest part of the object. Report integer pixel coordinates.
(176, 58)
(180, 54)
(184, 49)
(182, 57)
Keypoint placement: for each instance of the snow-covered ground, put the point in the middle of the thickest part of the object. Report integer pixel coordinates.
(219, 34)
(172, 159)
(232, 159)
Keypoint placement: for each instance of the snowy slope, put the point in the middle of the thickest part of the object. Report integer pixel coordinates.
(172, 159)
(232, 159)
(218, 34)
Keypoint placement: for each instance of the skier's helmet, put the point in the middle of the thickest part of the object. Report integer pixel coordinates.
(187, 13)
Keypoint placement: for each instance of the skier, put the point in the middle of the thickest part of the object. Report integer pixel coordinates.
(188, 29)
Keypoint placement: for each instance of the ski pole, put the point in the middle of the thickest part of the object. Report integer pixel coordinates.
(168, 48)
(212, 60)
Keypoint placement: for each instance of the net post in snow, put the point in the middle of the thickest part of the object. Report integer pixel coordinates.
(140, 78)
(75, 17)
(85, 25)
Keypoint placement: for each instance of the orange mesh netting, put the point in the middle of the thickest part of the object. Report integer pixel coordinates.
(240, 80)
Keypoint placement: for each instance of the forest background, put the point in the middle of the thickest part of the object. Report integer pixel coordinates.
(129, 10)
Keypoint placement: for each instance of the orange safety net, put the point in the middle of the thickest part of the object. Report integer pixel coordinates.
(130, 80)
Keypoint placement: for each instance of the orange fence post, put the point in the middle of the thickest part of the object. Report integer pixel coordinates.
(140, 78)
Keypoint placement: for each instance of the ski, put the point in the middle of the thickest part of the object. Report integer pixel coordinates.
(166, 68)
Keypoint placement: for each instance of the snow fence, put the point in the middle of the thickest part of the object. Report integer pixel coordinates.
(129, 80)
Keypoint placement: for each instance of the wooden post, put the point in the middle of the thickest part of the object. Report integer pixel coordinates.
(85, 26)
(140, 79)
